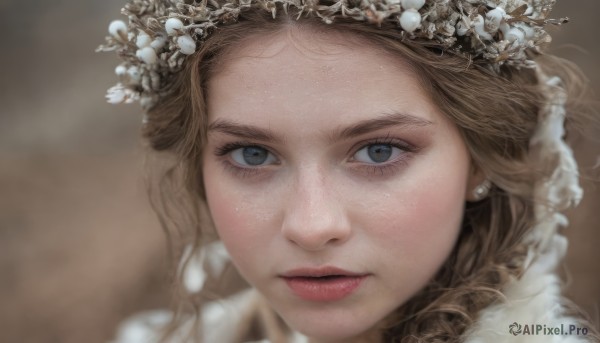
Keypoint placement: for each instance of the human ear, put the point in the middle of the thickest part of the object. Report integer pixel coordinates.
(478, 185)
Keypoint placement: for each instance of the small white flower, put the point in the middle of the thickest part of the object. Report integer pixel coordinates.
(412, 4)
(410, 20)
(504, 28)
(498, 12)
(143, 40)
(116, 95)
(147, 54)
(493, 19)
(461, 28)
(515, 34)
(117, 29)
(134, 74)
(187, 45)
(527, 30)
(121, 70)
(479, 25)
(119, 94)
(173, 25)
(158, 42)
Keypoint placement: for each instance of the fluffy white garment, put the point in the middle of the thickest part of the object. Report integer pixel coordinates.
(534, 299)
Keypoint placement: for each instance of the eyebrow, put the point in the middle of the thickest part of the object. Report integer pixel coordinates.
(362, 127)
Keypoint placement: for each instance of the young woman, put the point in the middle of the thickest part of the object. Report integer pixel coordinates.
(377, 171)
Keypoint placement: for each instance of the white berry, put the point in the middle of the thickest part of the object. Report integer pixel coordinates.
(173, 25)
(134, 74)
(147, 55)
(412, 4)
(410, 20)
(187, 45)
(117, 29)
(158, 42)
(120, 70)
(143, 40)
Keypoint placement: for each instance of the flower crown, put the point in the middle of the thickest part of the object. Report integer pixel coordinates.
(162, 33)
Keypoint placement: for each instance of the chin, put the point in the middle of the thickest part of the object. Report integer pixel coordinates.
(326, 325)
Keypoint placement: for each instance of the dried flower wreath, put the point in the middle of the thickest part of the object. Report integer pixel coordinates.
(162, 33)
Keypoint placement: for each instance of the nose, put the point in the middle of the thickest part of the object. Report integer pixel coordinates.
(315, 217)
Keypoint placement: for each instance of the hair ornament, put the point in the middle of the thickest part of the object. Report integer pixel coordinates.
(160, 34)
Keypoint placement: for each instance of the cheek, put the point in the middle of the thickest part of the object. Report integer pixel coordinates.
(436, 204)
(230, 214)
(433, 217)
(233, 212)
(422, 227)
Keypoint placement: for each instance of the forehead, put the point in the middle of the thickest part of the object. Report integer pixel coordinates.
(313, 77)
(315, 42)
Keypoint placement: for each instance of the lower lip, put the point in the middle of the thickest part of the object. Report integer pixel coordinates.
(324, 289)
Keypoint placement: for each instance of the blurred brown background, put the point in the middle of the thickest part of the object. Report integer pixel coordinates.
(79, 246)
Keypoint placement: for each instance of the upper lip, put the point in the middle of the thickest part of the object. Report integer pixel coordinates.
(319, 272)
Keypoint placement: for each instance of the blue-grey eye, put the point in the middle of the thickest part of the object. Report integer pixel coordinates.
(252, 156)
(377, 153)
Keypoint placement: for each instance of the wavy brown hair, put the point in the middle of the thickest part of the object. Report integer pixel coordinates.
(496, 115)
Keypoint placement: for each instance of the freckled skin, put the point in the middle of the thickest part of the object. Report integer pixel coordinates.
(317, 206)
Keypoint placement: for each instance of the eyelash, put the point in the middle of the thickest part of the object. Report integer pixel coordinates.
(385, 168)
(379, 169)
(237, 171)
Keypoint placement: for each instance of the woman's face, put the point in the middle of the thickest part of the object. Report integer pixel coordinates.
(332, 179)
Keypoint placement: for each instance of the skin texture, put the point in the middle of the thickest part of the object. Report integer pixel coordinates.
(318, 199)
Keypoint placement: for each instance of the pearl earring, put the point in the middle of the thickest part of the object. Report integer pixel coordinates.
(482, 191)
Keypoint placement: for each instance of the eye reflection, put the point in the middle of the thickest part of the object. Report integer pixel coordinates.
(377, 153)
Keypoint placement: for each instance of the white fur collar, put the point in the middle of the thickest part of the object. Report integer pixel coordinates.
(534, 299)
